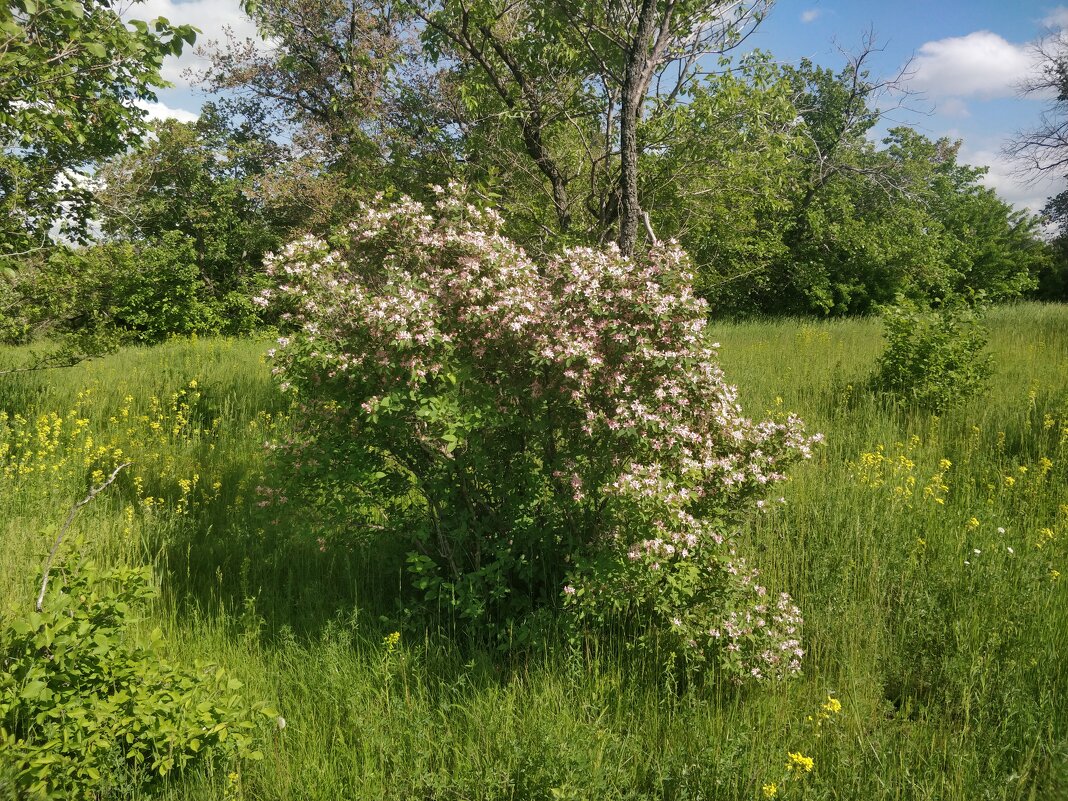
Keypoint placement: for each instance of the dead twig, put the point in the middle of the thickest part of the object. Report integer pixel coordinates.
(93, 492)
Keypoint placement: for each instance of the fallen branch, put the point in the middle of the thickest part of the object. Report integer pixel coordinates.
(44, 366)
(70, 518)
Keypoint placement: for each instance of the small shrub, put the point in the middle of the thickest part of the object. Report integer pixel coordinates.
(933, 356)
(90, 709)
(538, 433)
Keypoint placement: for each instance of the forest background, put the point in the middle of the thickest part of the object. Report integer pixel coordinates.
(770, 176)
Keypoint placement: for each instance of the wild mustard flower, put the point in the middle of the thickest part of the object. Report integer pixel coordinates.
(770, 790)
(798, 764)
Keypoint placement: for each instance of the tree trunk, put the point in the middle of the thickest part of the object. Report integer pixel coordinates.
(635, 83)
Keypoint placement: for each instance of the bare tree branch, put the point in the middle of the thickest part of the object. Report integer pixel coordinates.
(93, 492)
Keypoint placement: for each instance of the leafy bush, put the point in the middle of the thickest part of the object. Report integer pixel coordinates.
(934, 354)
(537, 433)
(121, 293)
(145, 294)
(90, 709)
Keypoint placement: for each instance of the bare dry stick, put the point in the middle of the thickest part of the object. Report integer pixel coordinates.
(37, 367)
(70, 517)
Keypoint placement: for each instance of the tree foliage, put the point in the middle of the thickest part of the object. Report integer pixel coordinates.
(324, 72)
(209, 180)
(571, 84)
(771, 181)
(71, 73)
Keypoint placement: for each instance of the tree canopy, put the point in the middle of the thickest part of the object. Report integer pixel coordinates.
(71, 76)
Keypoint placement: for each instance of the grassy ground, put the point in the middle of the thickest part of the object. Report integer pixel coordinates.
(924, 551)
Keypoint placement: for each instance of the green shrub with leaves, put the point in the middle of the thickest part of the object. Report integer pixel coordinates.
(121, 292)
(89, 706)
(145, 294)
(934, 355)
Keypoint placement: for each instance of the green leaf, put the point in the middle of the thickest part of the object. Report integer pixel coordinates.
(34, 690)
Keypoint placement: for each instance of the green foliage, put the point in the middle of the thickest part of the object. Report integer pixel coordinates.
(205, 180)
(70, 73)
(734, 136)
(121, 292)
(150, 293)
(89, 706)
(768, 178)
(933, 356)
(1052, 279)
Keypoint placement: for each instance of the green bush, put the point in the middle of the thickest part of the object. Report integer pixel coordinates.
(934, 353)
(89, 707)
(145, 294)
(121, 293)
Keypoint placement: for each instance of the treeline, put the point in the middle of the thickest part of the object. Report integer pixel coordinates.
(582, 122)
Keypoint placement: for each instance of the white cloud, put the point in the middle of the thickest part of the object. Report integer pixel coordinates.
(212, 17)
(1057, 18)
(953, 107)
(810, 15)
(161, 111)
(1005, 179)
(981, 64)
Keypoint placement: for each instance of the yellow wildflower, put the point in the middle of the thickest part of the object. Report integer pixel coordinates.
(798, 763)
(770, 790)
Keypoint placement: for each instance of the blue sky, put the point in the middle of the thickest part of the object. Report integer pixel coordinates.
(966, 60)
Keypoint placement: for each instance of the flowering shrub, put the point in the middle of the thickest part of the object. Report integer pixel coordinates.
(537, 431)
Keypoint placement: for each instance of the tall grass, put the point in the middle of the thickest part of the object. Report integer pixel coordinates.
(935, 610)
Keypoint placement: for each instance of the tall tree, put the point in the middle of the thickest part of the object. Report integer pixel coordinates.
(71, 74)
(1044, 146)
(578, 79)
(325, 71)
(1043, 149)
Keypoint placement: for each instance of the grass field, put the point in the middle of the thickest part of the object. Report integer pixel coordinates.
(925, 553)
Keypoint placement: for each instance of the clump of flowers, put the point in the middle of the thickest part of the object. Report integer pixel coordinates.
(541, 433)
(799, 765)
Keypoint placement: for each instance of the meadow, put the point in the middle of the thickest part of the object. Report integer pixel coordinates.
(925, 551)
